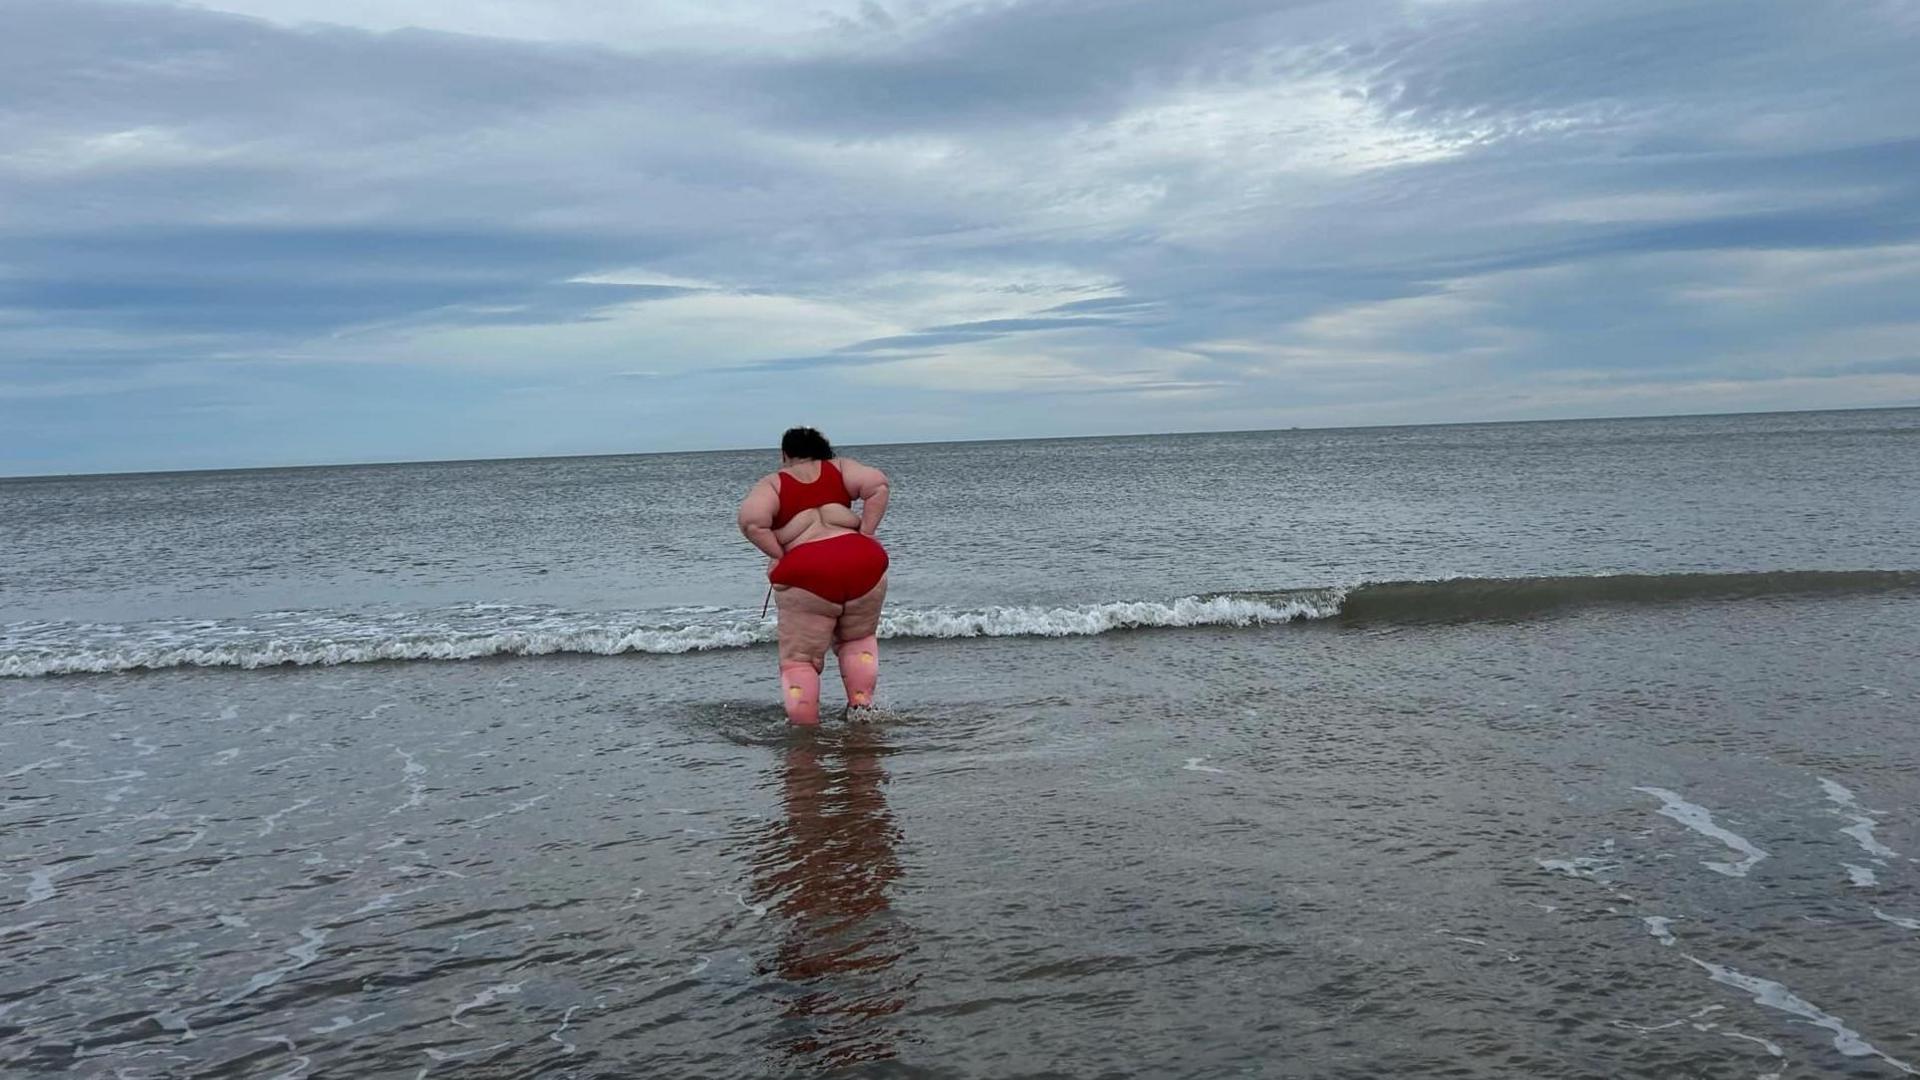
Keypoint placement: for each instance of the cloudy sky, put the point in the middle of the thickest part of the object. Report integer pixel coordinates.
(248, 232)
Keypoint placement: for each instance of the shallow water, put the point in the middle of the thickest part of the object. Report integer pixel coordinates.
(1511, 847)
(639, 554)
(1573, 750)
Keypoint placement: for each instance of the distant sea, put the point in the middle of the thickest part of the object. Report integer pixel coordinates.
(1553, 749)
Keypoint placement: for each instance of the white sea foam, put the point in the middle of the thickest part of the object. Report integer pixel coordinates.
(1776, 996)
(1902, 923)
(1860, 877)
(1862, 832)
(410, 774)
(272, 821)
(387, 899)
(565, 1021)
(342, 1023)
(1658, 925)
(483, 999)
(1701, 821)
(476, 630)
(321, 638)
(303, 954)
(40, 885)
(437, 1055)
(1770, 1046)
(1581, 866)
(274, 654)
(1839, 795)
(124, 774)
(520, 807)
(175, 1021)
(1103, 618)
(1861, 818)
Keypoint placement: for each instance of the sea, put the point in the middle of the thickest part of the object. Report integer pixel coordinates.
(1560, 749)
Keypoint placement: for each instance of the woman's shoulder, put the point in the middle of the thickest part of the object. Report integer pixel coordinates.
(854, 470)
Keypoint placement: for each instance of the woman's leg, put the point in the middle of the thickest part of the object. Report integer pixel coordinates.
(859, 650)
(806, 631)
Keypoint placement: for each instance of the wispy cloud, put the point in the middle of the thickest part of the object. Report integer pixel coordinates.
(365, 230)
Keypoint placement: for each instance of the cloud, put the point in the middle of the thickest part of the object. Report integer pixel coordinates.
(1028, 216)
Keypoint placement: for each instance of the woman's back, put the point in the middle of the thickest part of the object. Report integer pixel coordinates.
(814, 503)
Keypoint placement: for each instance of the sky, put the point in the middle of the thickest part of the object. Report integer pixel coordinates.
(265, 232)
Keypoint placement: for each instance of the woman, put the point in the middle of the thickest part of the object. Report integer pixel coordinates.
(829, 574)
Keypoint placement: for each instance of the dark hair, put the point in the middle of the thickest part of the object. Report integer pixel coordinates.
(805, 442)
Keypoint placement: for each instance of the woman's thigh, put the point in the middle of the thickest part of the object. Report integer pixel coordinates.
(860, 617)
(806, 625)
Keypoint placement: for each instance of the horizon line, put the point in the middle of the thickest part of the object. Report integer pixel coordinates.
(107, 474)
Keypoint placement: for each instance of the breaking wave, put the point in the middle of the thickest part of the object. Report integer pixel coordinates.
(483, 630)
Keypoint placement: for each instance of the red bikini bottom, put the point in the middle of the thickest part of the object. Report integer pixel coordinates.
(837, 569)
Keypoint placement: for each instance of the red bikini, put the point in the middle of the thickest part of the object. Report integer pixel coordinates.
(798, 496)
(838, 568)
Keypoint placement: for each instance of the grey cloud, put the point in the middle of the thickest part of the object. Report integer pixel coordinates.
(301, 281)
(1906, 365)
(821, 361)
(1518, 54)
(960, 333)
(1126, 304)
(1018, 64)
(1795, 229)
(139, 63)
(896, 342)
(1010, 326)
(1159, 386)
(329, 179)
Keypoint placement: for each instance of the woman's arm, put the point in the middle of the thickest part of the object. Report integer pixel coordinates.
(869, 485)
(756, 518)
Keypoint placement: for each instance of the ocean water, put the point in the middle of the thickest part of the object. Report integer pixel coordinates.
(1566, 749)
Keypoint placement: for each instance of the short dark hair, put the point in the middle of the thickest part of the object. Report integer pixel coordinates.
(805, 442)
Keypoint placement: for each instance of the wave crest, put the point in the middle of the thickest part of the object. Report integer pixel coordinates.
(74, 649)
(483, 630)
(1222, 610)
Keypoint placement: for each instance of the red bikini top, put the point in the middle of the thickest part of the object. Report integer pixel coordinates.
(797, 496)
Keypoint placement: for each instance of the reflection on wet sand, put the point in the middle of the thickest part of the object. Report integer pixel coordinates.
(826, 870)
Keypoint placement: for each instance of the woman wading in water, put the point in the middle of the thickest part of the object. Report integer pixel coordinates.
(829, 574)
